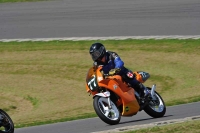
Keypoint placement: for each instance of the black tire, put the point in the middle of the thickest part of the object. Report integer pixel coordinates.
(98, 104)
(152, 111)
(6, 123)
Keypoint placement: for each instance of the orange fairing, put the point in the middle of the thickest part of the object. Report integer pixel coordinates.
(141, 76)
(126, 94)
(90, 73)
(138, 77)
(116, 85)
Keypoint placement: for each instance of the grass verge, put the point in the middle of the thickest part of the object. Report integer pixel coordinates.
(43, 82)
(183, 127)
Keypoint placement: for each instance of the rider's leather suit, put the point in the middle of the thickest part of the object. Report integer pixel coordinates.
(114, 61)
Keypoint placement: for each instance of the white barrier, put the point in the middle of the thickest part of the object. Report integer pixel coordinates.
(104, 38)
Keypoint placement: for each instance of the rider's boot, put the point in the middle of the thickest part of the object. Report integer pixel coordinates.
(142, 89)
(146, 91)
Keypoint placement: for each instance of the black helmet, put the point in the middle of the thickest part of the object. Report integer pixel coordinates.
(97, 51)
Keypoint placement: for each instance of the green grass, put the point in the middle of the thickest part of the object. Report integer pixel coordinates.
(44, 82)
(183, 127)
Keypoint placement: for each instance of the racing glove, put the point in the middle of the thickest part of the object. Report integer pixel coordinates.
(114, 71)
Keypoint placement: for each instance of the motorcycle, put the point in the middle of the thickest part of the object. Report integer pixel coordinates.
(113, 98)
(6, 123)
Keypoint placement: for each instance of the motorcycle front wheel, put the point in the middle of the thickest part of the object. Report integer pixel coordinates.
(6, 123)
(111, 115)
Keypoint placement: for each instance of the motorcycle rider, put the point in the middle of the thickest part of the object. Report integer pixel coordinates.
(113, 64)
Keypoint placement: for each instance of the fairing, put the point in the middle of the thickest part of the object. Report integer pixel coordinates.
(116, 85)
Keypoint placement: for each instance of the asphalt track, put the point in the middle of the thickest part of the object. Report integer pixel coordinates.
(99, 18)
(95, 124)
(102, 18)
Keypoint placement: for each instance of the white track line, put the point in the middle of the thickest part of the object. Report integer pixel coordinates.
(104, 38)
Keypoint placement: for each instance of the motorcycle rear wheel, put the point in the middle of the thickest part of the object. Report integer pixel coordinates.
(6, 123)
(156, 107)
(110, 116)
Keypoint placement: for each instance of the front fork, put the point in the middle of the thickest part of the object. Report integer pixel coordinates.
(109, 103)
(105, 94)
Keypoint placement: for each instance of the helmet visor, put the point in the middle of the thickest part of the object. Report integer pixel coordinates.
(97, 54)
